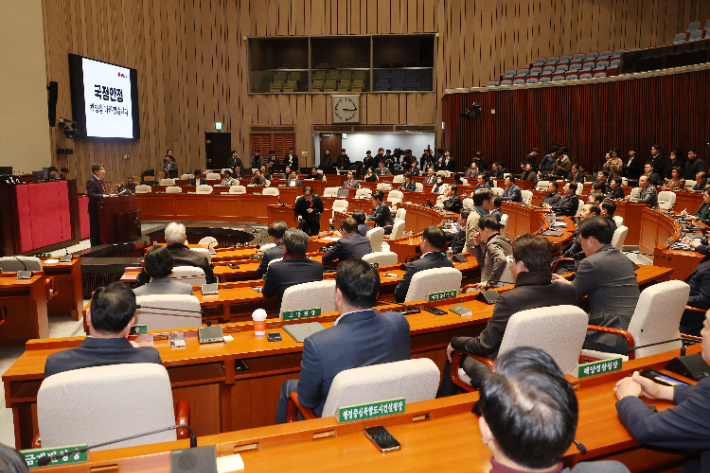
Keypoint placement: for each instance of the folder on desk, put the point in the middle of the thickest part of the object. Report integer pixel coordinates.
(552, 233)
(300, 332)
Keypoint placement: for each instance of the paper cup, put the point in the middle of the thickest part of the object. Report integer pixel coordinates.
(259, 318)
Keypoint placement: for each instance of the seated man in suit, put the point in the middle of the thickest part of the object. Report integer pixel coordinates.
(195, 181)
(512, 191)
(431, 244)
(308, 209)
(408, 184)
(607, 209)
(158, 264)
(606, 276)
(532, 255)
(381, 213)
(699, 281)
(552, 196)
(350, 182)
(614, 190)
(647, 195)
(452, 201)
(569, 203)
(703, 213)
(276, 232)
(314, 175)
(439, 186)
(588, 211)
(359, 337)
(265, 172)
(482, 205)
(498, 170)
(350, 245)
(528, 174)
(653, 176)
(176, 238)
(361, 218)
(293, 181)
(430, 177)
(701, 181)
(130, 185)
(528, 416)
(258, 179)
(684, 427)
(294, 268)
(381, 170)
(109, 319)
(459, 241)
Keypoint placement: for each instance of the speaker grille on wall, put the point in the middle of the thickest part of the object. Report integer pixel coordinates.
(53, 89)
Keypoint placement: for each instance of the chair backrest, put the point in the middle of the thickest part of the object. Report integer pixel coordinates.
(376, 235)
(203, 251)
(212, 176)
(504, 219)
(541, 185)
(493, 83)
(395, 196)
(468, 203)
(108, 394)
(141, 189)
(383, 258)
(268, 183)
(433, 280)
(497, 190)
(399, 178)
(210, 242)
(527, 196)
(419, 186)
(635, 192)
(166, 312)
(580, 204)
(506, 82)
(340, 205)
(330, 192)
(310, 295)
(400, 215)
(20, 263)
(657, 317)
(185, 177)
(397, 229)
(689, 183)
(617, 241)
(270, 191)
(204, 189)
(188, 274)
(173, 190)
(237, 190)
(384, 186)
(268, 246)
(618, 220)
(558, 330)
(666, 200)
(414, 380)
(167, 182)
(363, 192)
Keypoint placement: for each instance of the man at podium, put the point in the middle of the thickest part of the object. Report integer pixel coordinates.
(96, 191)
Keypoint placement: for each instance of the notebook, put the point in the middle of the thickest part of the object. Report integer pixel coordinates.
(552, 233)
(300, 332)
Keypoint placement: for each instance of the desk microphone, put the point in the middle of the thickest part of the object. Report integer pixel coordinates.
(201, 312)
(682, 350)
(580, 446)
(44, 461)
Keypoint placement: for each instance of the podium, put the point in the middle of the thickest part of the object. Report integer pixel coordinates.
(119, 221)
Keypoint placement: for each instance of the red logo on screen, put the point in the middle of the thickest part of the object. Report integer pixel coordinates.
(124, 76)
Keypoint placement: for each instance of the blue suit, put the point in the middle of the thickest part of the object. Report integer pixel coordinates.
(351, 247)
(360, 338)
(512, 194)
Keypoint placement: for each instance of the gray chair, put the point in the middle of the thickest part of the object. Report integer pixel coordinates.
(553, 60)
(20, 263)
(562, 68)
(679, 38)
(310, 295)
(605, 54)
(548, 69)
(519, 82)
(656, 319)
(493, 83)
(536, 70)
(95, 405)
(599, 75)
(571, 77)
(506, 82)
(510, 73)
(566, 59)
(522, 72)
(415, 380)
(695, 25)
(540, 61)
(615, 63)
(696, 35)
(545, 78)
(618, 52)
(585, 75)
(165, 311)
(592, 56)
(433, 280)
(532, 80)
(578, 57)
(602, 63)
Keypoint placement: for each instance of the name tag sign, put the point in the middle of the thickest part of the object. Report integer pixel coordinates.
(300, 314)
(254, 257)
(598, 367)
(139, 330)
(32, 456)
(369, 410)
(437, 296)
(375, 265)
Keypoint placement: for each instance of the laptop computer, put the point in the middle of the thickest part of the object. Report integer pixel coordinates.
(343, 193)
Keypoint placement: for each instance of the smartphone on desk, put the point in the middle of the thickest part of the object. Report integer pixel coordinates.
(382, 439)
(257, 289)
(233, 266)
(661, 378)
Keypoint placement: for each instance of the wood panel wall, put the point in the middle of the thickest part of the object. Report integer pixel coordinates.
(590, 119)
(192, 63)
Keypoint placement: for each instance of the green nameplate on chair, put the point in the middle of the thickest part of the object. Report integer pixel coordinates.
(256, 193)
(375, 265)
(139, 330)
(32, 456)
(599, 367)
(252, 257)
(369, 410)
(159, 192)
(437, 296)
(300, 314)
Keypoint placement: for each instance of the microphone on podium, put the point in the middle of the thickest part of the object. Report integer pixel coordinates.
(44, 461)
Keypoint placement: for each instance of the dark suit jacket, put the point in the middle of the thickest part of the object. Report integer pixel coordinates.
(608, 279)
(693, 167)
(95, 193)
(512, 194)
(269, 255)
(552, 199)
(453, 204)
(163, 286)
(353, 342)
(182, 256)
(686, 426)
(699, 282)
(649, 196)
(382, 215)
(234, 162)
(343, 161)
(532, 290)
(293, 163)
(499, 173)
(288, 272)
(459, 241)
(353, 184)
(193, 181)
(429, 261)
(615, 194)
(486, 185)
(302, 206)
(567, 205)
(362, 229)
(411, 187)
(659, 163)
(99, 352)
(430, 179)
(354, 246)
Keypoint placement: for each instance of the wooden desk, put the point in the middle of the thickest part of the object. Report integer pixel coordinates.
(26, 304)
(205, 207)
(424, 430)
(69, 299)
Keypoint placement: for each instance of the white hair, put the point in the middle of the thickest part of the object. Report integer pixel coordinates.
(175, 233)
